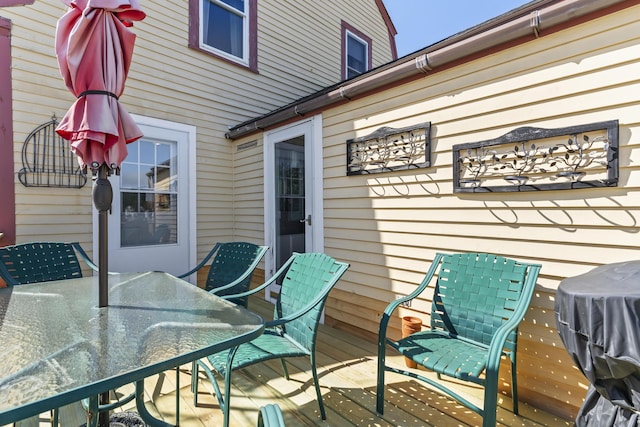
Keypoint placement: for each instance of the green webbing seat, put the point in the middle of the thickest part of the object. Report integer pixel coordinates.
(478, 302)
(42, 262)
(308, 278)
(231, 269)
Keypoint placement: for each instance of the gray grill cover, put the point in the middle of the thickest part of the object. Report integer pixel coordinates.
(598, 318)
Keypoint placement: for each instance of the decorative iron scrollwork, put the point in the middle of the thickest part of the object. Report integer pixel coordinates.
(582, 156)
(389, 149)
(47, 160)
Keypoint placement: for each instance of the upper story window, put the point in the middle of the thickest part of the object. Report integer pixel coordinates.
(357, 58)
(356, 52)
(226, 29)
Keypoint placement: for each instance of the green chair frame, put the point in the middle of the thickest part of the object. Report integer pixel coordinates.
(37, 262)
(478, 302)
(231, 269)
(270, 416)
(308, 279)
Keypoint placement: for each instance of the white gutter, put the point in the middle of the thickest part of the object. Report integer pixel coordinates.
(530, 19)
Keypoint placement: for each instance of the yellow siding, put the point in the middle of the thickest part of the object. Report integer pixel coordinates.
(248, 198)
(298, 54)
(388, 226)
(305, 35)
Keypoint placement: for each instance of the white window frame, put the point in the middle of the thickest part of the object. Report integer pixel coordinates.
(350, 34)
(244, 60)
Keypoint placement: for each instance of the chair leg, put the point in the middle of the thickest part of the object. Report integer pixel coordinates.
(54, 418)
(380, 380)
(194, 382)
(284, 369)
(212, 378)
(225, 404)
(314, 371)
(514, 383)
(217, 392)
(177, 395)
(490, 400)
(92, 412)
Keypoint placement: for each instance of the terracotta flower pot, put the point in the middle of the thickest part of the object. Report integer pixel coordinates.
(410, 324)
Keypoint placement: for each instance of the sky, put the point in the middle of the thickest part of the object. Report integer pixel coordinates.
(421, 23)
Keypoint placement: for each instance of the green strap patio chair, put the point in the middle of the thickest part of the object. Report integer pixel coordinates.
(231, 269)
(38, 262)
(478, 302)
(42, 262)
(230, 272)
(307, 280)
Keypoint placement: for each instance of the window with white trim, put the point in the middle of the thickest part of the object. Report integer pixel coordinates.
(357, 55)
(224, 28)
(356, 52)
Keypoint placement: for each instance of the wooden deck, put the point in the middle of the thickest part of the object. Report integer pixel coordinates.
(347, 370)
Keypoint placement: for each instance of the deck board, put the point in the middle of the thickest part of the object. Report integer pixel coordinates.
(347, 369)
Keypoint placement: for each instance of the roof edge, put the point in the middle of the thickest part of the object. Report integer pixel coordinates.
(527, 20)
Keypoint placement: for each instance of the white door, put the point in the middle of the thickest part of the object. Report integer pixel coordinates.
(293, 193)
(152, 220)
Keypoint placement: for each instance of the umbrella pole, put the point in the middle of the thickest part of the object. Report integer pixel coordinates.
(102, 198)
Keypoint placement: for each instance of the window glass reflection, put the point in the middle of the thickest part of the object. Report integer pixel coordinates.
(147, 152)
(149, 201)
(129, 175)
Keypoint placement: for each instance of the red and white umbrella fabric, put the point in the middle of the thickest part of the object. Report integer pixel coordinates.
(94, 49)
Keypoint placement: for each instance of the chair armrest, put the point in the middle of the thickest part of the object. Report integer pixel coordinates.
(394, 304)
(86, 258)
(501, 334)
(8, 279)
(247, 273)
(261, 287)
(199, 266)
(321, 296)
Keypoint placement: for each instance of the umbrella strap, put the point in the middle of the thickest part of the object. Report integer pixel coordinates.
(97, 92)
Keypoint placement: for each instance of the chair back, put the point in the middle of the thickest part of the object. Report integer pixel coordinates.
(231, 261)
(38, 262)
(306, 284)
(476, 293)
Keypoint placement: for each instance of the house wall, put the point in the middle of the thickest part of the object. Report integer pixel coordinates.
(389, 226)
(38, 93)
(298, 53)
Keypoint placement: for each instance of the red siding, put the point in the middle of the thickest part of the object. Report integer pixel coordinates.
(7, 189)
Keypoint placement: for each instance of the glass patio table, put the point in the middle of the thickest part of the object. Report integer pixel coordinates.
(57, 347)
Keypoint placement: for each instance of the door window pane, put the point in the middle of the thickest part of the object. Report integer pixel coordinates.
(290, 199)
(148, 194)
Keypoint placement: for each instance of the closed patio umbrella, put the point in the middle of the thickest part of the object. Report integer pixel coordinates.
(94, 49)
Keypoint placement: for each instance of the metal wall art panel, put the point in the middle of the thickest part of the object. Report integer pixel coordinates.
(47, 160)
(531, 159)
(389, 149)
